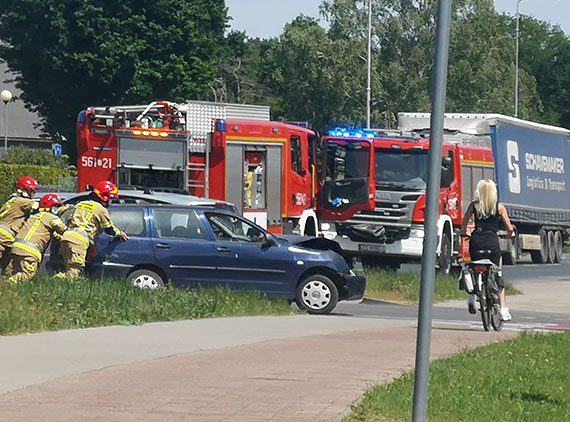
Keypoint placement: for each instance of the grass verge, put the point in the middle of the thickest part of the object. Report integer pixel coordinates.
(48, 304)
(522, 380)
(405, 287)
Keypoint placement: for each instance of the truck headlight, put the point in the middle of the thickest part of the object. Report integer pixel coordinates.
(417, 232)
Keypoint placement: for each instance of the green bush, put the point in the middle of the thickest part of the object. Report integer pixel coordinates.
(10, 173)
(34, 157)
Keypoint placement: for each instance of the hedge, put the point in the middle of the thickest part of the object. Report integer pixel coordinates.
(10, 173)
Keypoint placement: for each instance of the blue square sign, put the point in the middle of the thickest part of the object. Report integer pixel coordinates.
(56, 150)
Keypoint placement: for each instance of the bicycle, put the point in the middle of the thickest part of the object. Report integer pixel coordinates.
(479, 278)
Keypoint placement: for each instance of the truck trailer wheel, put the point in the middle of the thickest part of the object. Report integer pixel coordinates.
(551, 247)
(541, 256)
(558, 247)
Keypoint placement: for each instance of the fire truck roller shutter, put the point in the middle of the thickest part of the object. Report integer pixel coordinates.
(236, 177)
(161, 154)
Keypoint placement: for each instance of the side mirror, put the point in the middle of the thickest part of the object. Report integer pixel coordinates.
(447, 162)
(270, 241)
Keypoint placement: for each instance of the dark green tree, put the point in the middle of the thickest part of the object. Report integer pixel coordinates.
(69, 54)
(545, 53)
(481, 56)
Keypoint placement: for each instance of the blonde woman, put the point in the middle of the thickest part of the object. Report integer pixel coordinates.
(488, 215)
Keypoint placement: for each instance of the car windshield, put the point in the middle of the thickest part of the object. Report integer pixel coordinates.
(347, 159)
(400, 169)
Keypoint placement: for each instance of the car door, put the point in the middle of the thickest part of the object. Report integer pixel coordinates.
(181, 246)
(115, 258)
(246, 261)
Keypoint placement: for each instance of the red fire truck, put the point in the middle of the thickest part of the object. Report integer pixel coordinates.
(230, 152)
(374, 192)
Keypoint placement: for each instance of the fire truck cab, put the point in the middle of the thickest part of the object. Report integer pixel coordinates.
(374, 193)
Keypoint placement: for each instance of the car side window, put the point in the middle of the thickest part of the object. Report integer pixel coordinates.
(172, 224)
(234, 229)
(129, 221)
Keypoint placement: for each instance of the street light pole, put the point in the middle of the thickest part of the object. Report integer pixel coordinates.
(369, 65)
(6, 97)
(517, 62)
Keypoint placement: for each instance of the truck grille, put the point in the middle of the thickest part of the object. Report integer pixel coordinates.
(393, 210)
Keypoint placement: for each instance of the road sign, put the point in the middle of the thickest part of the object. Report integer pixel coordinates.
(56, 150)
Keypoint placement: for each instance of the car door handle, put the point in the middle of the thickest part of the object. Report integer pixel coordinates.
(223, 249)
(163, 245)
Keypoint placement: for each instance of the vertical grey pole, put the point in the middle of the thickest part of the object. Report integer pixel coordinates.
(6, 128)
(517, 66)
(369, 64)
(423, 343)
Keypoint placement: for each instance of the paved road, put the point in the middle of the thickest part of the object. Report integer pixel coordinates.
(543, 304)
(301, 368)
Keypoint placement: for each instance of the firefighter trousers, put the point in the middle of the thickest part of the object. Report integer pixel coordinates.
(74, 253)
(5, 254)
(23, 267)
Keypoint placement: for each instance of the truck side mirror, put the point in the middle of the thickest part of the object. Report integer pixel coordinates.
(447, 162)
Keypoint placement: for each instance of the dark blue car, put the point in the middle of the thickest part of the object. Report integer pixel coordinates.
(191, 246)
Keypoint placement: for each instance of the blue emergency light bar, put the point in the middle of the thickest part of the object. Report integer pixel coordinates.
(352, 133)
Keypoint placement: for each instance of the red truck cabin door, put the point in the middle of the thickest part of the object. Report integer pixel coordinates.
(299, 182)
(348, 182)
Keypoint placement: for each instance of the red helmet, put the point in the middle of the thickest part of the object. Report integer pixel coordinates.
(106, 190)
(50, 200)
(27, 185)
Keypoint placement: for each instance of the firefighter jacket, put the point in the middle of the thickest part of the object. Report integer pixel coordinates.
(13, 215)
(34, 237)
(87, 221)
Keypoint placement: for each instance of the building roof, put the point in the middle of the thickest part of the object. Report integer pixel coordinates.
(23, 125)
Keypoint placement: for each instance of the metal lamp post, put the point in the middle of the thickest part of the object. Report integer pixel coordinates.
(6, 97)
(517, 36)
(369, 65)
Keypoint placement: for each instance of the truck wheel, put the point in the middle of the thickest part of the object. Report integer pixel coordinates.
(551, 247)
(512, 256)
(444, 261)
(317, 294)
(145, 279)
(541, 256)
(557, 247)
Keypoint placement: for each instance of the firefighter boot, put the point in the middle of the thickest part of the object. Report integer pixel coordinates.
(25, 268)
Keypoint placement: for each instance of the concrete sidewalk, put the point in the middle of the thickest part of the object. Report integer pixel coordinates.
(536, 296)
(299, 368)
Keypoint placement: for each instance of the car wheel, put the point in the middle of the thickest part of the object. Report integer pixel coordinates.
(317, 294)
(146, 279)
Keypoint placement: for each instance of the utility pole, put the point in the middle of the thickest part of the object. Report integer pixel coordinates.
(517, 37)
(369, 65)
(423, 343)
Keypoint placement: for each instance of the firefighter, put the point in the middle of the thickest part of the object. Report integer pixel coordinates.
(34, 237)
(13, 215)
(87, 220)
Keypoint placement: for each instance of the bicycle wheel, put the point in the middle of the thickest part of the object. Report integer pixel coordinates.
(484, 308)
(496, 320)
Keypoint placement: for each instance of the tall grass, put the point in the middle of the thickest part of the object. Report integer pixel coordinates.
(48, 304)
(521, 380)
(404, 287)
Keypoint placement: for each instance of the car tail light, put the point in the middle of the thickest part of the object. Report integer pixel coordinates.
(480, 270)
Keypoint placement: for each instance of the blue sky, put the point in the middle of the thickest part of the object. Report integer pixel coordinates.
(266, 18)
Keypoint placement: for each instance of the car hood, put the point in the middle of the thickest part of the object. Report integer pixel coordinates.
(310, 242)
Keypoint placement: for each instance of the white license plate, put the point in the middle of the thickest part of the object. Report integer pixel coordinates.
(372, 248)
